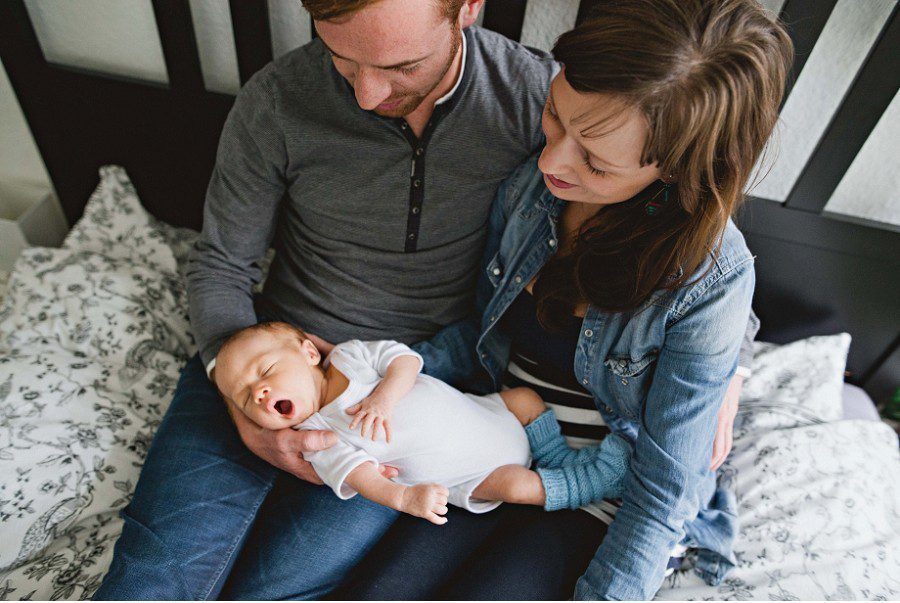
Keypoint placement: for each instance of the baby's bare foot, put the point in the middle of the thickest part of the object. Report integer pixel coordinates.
(512, 484)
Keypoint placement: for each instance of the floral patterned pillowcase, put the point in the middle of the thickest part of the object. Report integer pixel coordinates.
(92, 337)
(800, 383)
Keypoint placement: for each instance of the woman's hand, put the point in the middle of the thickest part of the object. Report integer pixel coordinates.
(725, 427)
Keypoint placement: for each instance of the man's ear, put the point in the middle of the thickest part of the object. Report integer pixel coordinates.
(468, 12)
(310, 352)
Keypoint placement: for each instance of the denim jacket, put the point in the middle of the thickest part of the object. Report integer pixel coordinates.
(658, 375)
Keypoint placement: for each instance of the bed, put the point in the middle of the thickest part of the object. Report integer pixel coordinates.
(93, 335)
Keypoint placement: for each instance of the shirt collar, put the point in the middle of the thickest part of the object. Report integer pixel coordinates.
(462, 69)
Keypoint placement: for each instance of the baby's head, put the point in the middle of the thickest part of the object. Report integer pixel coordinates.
(271, 372)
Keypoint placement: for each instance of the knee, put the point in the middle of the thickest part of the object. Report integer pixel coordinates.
(524, 403)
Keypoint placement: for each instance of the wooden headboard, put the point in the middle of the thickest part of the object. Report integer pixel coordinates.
(815, 274)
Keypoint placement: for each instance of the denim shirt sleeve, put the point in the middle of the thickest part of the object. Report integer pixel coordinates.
(450, 353)
(671, 456)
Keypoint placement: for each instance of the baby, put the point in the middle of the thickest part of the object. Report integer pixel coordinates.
(449, 447)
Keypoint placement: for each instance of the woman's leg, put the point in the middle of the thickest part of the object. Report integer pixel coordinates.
(531, 555)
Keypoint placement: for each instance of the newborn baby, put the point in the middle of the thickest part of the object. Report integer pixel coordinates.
(448, 446)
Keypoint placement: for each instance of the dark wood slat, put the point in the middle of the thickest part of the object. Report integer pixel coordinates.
(166, 139)
(865, 242)
(179, 45)
(805, 20)
(252, 38)
(505, 16)
(875, 86)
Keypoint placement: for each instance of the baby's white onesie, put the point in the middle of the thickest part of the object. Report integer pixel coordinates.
(438, 433)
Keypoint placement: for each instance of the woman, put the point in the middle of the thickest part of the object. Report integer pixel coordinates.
(616, 284)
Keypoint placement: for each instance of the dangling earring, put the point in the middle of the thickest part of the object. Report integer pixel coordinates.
(652, 205)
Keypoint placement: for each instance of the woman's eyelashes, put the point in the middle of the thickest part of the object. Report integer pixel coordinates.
(594, 170)
(555, 118)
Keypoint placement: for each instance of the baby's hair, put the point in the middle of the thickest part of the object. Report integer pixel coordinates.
(274, 327)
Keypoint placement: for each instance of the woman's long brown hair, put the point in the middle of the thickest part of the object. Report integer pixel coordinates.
(708, 76)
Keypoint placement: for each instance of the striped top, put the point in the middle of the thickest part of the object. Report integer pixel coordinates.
(545, 361)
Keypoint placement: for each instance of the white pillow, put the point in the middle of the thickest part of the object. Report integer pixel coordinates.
(92, 337)
(796, 384)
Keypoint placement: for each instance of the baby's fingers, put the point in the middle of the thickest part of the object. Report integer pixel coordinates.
(377, 424)
(359, 416)
(367, 424)
(440, 509)
(353, 409)
(435, 519)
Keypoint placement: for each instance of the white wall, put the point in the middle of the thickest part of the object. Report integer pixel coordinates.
(19, 157)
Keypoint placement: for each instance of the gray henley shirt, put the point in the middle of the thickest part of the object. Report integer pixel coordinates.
(378, 235)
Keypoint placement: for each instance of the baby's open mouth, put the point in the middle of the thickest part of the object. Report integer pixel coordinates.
(284, 407)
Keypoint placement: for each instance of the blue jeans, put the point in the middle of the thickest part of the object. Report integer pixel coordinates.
(202, 524)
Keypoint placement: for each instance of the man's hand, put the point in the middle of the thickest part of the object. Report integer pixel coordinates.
(284, 448)
(323, 346)
(725, 428)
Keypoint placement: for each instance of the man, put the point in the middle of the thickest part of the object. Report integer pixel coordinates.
(369, 159)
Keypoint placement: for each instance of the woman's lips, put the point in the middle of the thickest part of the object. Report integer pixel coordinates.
(557, 182)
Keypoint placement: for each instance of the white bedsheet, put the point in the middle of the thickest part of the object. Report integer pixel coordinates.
(92, 337)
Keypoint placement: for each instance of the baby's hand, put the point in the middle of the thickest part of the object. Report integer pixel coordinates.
(428, 501)
(372, 413)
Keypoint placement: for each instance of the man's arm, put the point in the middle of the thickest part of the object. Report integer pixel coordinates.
(242, 201)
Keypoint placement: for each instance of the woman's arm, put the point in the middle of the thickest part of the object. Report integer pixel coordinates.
(671, 456)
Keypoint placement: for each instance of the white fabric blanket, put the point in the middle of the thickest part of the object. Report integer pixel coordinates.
(92, 337)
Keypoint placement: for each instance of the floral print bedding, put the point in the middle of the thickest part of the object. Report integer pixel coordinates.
(93, 335)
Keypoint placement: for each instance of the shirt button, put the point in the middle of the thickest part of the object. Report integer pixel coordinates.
(483, 355)
(419, 151)
(584, 381)
(624, 381)
(411, 236)
(415, 210)
(493, 318)
(552, 242)
(608, 409)
(518, 279)
(588, 333)
(403, 125)
(496, 271)
(417, 183)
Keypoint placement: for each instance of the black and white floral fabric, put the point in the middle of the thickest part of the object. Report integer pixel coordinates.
(92, 337)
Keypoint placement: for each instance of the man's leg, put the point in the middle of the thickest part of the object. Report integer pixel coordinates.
(305, 542)
(196, 498)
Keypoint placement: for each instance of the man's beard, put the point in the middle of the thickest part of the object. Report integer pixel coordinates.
(412, 100)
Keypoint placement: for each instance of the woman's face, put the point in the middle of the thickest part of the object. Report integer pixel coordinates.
(598, 169)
